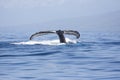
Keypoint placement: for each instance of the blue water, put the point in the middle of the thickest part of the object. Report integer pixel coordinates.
(96, 56)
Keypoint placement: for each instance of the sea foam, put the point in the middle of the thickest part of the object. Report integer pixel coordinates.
(46, 42)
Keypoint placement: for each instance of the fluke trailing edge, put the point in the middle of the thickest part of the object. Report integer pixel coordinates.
(60, 34)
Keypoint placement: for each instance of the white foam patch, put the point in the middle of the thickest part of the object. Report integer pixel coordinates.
(46, 42)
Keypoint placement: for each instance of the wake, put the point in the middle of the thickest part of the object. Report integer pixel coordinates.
(47, 42)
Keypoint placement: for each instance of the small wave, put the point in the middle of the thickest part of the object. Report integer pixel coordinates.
(112, 43)
(35, 54)
(46, 42)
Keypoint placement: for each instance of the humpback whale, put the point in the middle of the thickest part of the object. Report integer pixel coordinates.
(60, 34)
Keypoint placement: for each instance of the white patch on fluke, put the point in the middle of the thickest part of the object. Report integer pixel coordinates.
(46, 42)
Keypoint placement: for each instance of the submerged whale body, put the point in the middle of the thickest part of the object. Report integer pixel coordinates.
(60, 34)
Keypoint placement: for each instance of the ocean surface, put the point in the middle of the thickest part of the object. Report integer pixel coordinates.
(95, 56)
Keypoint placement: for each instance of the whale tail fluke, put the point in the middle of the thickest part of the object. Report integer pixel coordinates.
(58, 32)
(41, 33)
(72, 32)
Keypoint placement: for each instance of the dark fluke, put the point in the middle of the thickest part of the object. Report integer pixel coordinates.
(60, 34)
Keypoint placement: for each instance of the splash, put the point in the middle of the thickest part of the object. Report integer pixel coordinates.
(46, 42)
